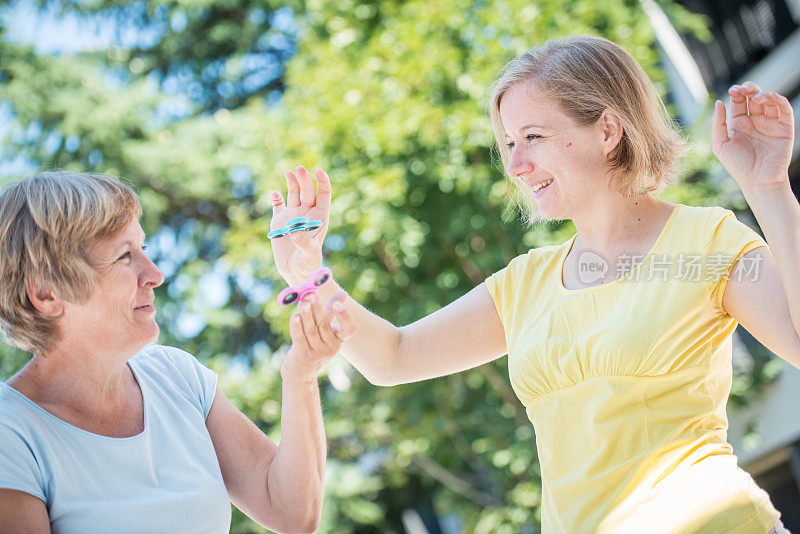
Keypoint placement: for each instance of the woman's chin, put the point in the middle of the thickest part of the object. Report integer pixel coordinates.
(154, 335)
(149, 335)
(546, 211)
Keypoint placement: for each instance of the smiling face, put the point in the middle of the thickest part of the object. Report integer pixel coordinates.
(545, 145)
(119, 316)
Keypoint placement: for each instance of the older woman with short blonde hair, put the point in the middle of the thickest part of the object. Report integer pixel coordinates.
(103, 432)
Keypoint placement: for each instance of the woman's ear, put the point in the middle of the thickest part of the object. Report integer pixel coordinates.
(45, 301)
(611, 128)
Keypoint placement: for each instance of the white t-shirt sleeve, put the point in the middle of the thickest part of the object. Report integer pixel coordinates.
(19, 469)
(200, 380)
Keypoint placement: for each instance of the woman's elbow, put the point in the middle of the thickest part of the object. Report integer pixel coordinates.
(389, 374)
(306, 524)
(304, 518)
(311, 525)
(295, 524)
(298, 527)
(310, 522)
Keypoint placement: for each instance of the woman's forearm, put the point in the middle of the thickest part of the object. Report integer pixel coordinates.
(374, 349)
(296, 476)
(778, 214)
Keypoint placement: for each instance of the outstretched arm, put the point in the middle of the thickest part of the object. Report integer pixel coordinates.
(755, 147)
(462, 335)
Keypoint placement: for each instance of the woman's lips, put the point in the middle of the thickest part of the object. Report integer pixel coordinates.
(541, 191)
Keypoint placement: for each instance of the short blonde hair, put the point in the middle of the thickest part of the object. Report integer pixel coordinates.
(47, 225)
(585, 75)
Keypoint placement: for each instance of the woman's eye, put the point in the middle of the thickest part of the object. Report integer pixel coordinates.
(529, 137)
(129, 254)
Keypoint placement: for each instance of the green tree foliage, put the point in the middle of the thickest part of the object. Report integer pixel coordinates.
(387, 96)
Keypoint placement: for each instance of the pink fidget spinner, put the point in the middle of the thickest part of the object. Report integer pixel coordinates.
(299, 293)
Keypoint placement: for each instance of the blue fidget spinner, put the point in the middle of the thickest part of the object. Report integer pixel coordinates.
(294, 225)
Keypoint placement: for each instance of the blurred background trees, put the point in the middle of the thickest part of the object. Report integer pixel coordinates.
(203, 104)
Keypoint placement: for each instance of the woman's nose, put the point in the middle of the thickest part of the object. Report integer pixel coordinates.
(518, 164)
(152, 275)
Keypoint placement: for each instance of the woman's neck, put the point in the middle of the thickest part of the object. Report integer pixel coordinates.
(74, 378)
(623, 222)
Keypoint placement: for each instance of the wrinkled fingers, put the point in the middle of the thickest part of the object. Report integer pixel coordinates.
(778, 107)
(310, 329)
(323, 200)
(323, 324)
(738, 101)
(307, 193)
(344, 327)
(296, 332)
(292, 190)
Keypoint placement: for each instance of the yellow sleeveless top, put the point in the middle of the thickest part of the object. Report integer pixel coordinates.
(626, 384)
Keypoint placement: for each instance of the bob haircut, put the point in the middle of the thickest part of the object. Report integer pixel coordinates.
(48, 223)
(584, 75)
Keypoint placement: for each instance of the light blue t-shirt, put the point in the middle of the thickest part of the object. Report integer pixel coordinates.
(165, 479)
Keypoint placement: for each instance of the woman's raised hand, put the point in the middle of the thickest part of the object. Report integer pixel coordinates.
(755, 145)
(317, 335)
(299, 254)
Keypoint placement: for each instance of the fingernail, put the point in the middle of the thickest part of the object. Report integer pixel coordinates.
(339, 306)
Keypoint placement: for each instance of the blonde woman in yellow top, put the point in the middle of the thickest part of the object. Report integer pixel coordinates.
(625, 376)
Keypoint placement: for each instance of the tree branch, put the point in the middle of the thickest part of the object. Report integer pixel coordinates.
(453, 481)
(502, 388)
